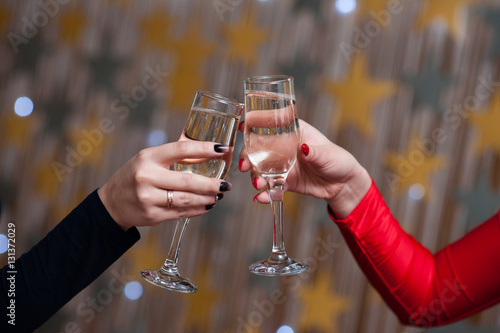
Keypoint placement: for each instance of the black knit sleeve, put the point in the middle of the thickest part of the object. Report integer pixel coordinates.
(79, 249)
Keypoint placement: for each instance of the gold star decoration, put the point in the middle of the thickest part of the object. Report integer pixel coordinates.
(445, 10)
(357, 95)
(245, 37)
(190, 51)
(414, 166)
(47, 183)
(200, 304)
(487, 121)
(155, 29)
(70, 26)
(321, 305)
(183, 89)
(90, 142)
(16, 130)
(365, 7)
(291, 204)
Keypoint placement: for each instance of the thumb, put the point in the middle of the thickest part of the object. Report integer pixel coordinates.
(306, 153)
(316, 157)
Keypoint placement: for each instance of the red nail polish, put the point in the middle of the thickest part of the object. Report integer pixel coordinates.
(240, 164)
(254, 182)
(255, 198)
(240, 126)
(305, 149)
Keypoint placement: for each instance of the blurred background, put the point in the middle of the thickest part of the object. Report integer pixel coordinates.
(410, 87)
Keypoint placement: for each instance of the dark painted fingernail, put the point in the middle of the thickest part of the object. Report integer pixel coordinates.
(208, 207)
(221, 148)
(219, 196)
(241, 126)
(225, 186)
(305, 149)
(240, 164)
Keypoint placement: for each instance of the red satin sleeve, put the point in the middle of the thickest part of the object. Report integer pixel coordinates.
(423, 289)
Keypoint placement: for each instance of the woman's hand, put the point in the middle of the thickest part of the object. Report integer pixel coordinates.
(137, 194)
(323, 170)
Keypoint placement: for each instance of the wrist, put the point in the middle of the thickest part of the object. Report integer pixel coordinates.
(101, 192)
(353, 191)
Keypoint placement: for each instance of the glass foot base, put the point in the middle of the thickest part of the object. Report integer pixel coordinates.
(270, 267)
(171, 282)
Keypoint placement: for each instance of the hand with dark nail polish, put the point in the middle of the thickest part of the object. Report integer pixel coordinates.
(225, 186)
(221, 148)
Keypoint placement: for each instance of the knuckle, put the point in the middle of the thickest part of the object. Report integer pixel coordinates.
(184, 199)
(140, 173)
(143, 155)
(182, 213)
(143, 196)
(140, 176)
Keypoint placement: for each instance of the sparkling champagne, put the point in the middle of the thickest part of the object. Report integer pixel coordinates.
(203, 125)
(272, 132)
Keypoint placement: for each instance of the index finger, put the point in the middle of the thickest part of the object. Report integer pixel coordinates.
(181, 150)
(271, 118)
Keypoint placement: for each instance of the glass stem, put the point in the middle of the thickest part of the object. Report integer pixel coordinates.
(275, 187)
(170, 265)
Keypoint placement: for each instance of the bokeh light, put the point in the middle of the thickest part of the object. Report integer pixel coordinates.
(156, 137)
(4, 243)
(23, 106)
(417, 191)
(345, 6)
(285, 329)
(133, 290)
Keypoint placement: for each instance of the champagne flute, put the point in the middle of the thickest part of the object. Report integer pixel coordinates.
(212, 118)
(272, 137)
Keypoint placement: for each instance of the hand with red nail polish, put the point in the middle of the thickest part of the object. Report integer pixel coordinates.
(241, 126)
(404, 272)
(323, 170)
(305, 149)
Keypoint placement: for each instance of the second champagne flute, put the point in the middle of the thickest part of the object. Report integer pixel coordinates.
(212, 118)
(272, 138)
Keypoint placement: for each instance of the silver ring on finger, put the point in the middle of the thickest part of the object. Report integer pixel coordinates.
(170, 198)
